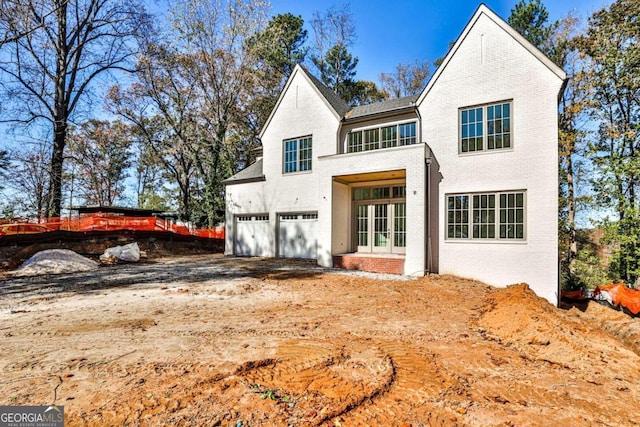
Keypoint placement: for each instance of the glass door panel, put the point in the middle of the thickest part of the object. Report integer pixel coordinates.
(399, 228)
(362, 228)
(381, 241)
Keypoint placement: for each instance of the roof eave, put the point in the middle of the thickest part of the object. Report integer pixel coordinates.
(244, 181)
(381, 114)
(484, 9)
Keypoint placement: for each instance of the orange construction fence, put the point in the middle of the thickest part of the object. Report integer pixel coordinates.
(106, 222)
(620, 296)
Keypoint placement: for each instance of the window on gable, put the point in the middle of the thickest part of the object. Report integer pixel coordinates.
(297, 155)
(485, 128)
(483, 216)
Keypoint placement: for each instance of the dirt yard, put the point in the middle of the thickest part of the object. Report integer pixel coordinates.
(208, 340)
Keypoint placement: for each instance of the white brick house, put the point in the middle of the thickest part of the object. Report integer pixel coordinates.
(461, 179)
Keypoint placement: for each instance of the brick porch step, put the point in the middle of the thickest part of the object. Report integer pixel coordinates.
(375, 263)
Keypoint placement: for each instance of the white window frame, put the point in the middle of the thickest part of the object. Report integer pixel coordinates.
(469, 222)
(362, 145)
(485, 128)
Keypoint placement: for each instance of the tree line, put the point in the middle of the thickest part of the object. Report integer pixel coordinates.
(115, 106)
(109, 97)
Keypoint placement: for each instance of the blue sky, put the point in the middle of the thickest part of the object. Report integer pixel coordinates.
(391, 32)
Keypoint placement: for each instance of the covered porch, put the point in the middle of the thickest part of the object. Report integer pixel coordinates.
(375, 220)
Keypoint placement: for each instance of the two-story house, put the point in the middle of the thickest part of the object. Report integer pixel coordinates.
(461, 179)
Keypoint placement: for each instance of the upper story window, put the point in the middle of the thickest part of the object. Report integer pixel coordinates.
(371, 139)
(485, 128)
(297, 154)
(382, 137)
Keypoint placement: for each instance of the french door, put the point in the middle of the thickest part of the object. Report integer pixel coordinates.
(381, 226)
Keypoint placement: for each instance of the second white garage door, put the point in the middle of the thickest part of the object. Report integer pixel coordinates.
(297, 235)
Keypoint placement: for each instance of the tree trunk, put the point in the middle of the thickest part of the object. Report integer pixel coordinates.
(60, 115)
(571, 220)
(57, 157)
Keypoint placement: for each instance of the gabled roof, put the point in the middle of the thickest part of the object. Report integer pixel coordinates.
(333, 101)
(252, 173)
(484, 10)
(391, 105)
(338, 104)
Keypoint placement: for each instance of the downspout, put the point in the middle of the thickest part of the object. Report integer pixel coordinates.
(427, 161)
(428, 183)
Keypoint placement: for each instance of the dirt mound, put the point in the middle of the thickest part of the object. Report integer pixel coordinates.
(12, 256)
(210, 340)
(617, 323)
(518, 317)
(55, 261)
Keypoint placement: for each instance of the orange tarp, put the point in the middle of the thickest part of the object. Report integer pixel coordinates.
(622, 296)
(112, 222)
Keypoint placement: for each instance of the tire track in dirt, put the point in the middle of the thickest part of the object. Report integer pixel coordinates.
(323, 381)
(414, 396)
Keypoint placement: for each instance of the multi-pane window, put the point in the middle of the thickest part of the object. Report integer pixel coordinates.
(362, 225)
(298, 154)
(355, 142)
(471, 121)
(382, 137)
(512, 216)
(371, 139)
(458, 217)
(389, 136)
(407, 133)
(486, 215)
(305, 154)
(373, 193)
(485, 128)
(498, 126)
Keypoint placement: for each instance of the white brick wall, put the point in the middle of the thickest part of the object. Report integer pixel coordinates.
(489, 66)
(409, 158)
(302, 111)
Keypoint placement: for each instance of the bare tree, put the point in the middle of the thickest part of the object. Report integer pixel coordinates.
(101, 154)
(162, 107)
(333, 28)
(408, 79)
(10, 10)
(216, 35)
(56, 50)
(29, 179)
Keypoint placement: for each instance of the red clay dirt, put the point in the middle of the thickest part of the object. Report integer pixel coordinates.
(208, 340)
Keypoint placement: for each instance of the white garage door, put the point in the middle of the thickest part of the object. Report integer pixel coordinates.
(298, 235)
(252, 235)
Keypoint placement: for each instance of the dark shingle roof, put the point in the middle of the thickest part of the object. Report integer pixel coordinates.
(251, 173)
(334, 100)
(382, 107)
(347, 112)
